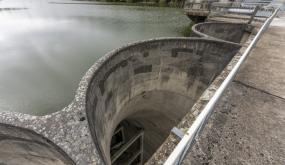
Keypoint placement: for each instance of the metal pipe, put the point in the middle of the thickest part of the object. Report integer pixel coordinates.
(186, 142)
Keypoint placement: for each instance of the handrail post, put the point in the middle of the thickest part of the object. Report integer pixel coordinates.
(253, 14)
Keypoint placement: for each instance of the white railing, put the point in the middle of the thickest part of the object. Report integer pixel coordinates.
(188, 139)
(215, 8)
(239, 9)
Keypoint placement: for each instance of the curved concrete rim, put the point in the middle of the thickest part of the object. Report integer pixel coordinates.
(194, 29)
(84, 82)
(80, 93)
(45, 141)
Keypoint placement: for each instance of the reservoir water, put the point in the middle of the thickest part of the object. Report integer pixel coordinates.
(45, 47)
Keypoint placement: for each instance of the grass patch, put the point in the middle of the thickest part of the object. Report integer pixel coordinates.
(187, 30)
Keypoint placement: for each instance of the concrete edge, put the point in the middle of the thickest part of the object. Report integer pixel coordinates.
(201, 34)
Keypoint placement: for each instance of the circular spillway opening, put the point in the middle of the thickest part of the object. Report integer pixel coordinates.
(148, 126)
(20, 146)
(230, 32)
(138, 93)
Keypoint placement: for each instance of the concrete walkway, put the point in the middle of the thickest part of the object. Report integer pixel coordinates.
(248, 126)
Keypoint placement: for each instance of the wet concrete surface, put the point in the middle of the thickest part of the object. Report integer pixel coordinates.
(247, 126)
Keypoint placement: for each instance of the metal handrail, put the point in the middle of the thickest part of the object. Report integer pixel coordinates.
(220, 8)
(216, 7)
(189, 138)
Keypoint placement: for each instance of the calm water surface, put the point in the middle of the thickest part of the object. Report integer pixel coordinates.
(46, 48)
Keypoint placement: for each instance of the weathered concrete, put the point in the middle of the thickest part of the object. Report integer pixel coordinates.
(231, 32)
(247, 127)
(265, 68)
(158, 79)
(172, 140)
(21, 146)
(68, 129)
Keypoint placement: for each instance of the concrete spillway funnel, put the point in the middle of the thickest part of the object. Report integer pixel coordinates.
(21, 146)
(151, 84)
(228, 32)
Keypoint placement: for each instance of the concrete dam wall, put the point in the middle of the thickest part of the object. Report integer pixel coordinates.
(127, 102)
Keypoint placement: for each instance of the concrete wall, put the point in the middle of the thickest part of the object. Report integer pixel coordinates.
(154, 82)
(20, 146)
(231, 32)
